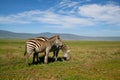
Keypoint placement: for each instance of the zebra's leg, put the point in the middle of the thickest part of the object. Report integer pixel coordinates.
(56, 55)
(27, 55)
(27, 58)
(53, 54)
(34, 55)
(46, 56)
(37, 57)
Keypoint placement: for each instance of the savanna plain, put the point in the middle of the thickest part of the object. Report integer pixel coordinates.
(90, 60)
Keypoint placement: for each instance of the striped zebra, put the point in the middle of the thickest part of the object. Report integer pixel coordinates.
(64, 49)
(41, 44)
(55, 51)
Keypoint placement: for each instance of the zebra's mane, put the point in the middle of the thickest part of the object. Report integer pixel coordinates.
(54, 37)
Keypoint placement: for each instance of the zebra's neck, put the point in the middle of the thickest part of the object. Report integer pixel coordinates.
(64, 48)
(52, 41)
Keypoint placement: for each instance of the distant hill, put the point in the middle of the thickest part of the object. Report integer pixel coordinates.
(8, 34)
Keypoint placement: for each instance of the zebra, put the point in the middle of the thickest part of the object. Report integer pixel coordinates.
(41, 44)
(64, 49)
(55, 50)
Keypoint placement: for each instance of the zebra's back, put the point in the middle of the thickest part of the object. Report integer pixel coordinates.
(36, 44)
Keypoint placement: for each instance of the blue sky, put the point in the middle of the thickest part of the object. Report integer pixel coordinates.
(82, 17)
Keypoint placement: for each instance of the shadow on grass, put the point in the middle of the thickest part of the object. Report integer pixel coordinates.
(50, 60)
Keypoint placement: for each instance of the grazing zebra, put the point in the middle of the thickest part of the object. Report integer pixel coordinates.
(55, 49)
(41, 44)
(64, 49)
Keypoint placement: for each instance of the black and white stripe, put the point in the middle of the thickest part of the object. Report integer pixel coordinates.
(41, 44)
(36, 43)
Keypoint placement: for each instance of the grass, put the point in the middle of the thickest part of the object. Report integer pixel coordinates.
(90, 60)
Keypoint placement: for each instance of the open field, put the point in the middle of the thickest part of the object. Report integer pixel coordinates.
(90, 60)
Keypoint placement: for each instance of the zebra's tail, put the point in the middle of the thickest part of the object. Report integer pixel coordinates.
(25, 53)
(25, 50)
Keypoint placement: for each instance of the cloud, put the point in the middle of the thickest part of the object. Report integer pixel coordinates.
(67, 3)
(20, 18)
(109, 14)
(65, 7)
(46, 17)
(76, 15)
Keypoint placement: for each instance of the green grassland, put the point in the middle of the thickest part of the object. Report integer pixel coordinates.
(90, 60)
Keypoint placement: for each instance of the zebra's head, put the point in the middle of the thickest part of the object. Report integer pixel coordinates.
(67, 55)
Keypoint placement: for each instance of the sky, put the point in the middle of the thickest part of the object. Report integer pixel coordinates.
(81, 17)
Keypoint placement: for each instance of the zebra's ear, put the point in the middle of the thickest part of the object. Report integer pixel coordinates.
(57, 36)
